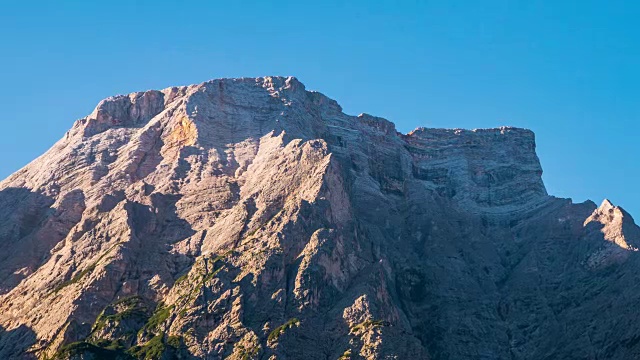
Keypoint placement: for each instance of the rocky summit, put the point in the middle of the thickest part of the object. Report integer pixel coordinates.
(252, 219)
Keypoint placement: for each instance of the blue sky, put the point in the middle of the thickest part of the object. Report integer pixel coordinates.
(566, 69)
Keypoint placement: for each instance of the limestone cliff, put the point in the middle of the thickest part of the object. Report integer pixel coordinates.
(253, 219)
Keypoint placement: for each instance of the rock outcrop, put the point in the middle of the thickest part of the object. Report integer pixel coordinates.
(253, 219)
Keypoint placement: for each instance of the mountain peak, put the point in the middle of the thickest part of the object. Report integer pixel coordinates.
(250, 218)
(606, 206)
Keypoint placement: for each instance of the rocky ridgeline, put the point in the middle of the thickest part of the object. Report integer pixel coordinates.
(253, 219)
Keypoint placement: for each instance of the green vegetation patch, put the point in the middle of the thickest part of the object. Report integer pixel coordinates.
(248, 353)
(211, 275)
(107, 349)
(152, 350)
(222, 256)
(120, 310)
(156, 347)
(199, 279)
(83, 348)
(87, 270)
(182, 278)
(346, 355)
(277, 332)
(160, 315)
(174, 341)
(76, 278)
(109, 344)
(368, 325)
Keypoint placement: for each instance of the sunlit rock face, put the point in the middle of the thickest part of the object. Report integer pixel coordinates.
(492, 170)
(253, 219)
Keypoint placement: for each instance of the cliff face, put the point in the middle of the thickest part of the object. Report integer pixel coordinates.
(252, 219)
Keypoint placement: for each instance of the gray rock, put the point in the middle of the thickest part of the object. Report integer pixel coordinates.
(253, 219)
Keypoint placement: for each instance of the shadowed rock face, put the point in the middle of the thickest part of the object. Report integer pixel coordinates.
(252, 219)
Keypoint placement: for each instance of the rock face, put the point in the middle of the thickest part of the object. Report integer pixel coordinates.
(253, 219)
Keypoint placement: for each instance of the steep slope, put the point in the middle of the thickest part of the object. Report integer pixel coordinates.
(253, 219)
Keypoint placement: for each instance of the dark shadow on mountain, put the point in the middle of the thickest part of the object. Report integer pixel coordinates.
(157, 226)
(14, 344)
(160, 222)
(28, 232)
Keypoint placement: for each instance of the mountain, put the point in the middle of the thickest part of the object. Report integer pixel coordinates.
(252, 219)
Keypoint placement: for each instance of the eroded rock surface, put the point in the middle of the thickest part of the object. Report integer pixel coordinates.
(253, 219)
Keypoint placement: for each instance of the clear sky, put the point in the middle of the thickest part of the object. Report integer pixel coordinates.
(569, 70)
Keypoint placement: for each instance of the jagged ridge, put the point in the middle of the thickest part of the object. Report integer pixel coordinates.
(260, 221)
